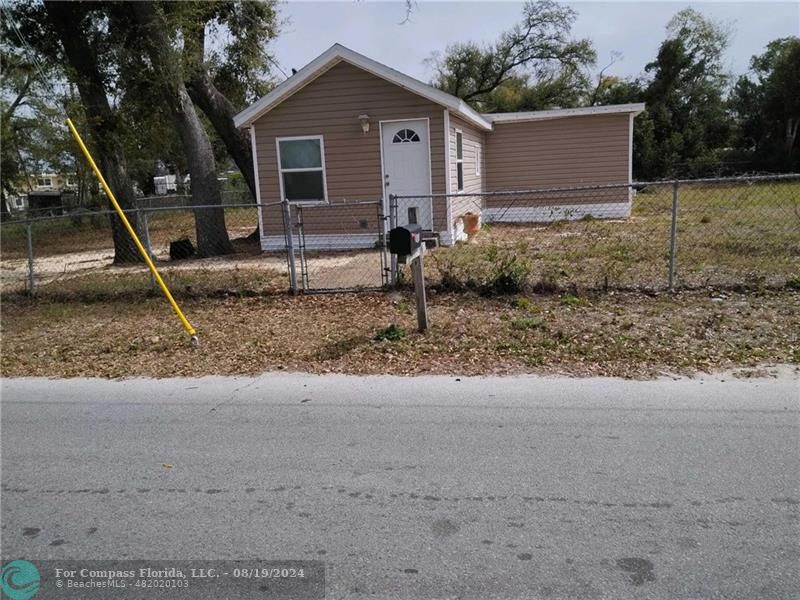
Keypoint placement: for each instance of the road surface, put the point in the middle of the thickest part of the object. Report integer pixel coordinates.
(420, 487)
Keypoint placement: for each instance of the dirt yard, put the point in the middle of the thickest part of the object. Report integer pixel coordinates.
(629, 335)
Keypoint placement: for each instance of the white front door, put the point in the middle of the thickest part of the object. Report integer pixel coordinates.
(407, 169)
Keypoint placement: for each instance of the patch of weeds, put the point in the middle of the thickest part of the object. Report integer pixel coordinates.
(509, 347)
(793, 284)
(572, 300)
(526, 304)
(535, 360)
(524, 324)
(795, 357)
(509, 270)
(404, 307)
(548, 343)
(455, 269)
(392, 333)
(548, 283)
(402, 280)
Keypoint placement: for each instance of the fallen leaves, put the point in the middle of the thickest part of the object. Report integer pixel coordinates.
(629, 335)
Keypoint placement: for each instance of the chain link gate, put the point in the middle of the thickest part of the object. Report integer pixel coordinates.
(337, 247)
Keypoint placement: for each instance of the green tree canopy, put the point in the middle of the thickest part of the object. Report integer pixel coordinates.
(539, 52)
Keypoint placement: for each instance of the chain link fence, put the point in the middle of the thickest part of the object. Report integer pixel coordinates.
(337, 247)
(75, 254)
(718, 233)
(725, 233)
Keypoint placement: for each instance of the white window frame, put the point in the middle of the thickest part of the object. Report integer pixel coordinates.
(478, 159)
(45, 182)
(281, 170)
(460, 161)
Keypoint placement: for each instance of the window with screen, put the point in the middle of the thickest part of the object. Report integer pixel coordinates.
(301, 161)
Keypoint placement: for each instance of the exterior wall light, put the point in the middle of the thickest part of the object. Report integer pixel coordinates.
(364, 120)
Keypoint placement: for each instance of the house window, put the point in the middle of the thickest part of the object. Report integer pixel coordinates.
(18, 202)
(44, 182)
(301, 162)
(405, 136)
(478, 159)
(459, 161)
(71, 181)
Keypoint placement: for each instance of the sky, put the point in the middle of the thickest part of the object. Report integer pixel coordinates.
(635, 29)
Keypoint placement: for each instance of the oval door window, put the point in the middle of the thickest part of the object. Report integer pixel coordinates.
(405, 136)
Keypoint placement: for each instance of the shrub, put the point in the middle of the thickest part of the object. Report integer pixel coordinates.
(391, 333)
(509, 270)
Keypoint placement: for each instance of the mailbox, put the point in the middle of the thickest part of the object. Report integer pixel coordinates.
(405, 240)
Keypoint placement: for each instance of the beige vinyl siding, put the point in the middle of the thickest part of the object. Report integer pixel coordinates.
(564, 152)
(329, 106)
(472, 137)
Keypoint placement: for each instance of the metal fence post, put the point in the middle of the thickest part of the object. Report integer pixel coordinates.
(394, 269)
(144, 231)
(287, 228)
(31, 282)
(673, 237)
(383, 242)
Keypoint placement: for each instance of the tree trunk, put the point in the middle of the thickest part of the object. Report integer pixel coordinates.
(219, 110)
(103, 123)
(212, 235)
(791, 134)
(220, 113)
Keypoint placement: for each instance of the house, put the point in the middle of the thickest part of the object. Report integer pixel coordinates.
(346, 128)
(47, 193)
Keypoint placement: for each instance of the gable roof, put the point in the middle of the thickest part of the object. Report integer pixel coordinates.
(338, 53)
(558, 113)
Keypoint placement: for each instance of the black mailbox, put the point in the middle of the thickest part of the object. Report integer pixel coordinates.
(405, 240)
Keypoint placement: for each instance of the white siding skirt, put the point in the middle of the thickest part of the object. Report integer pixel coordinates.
(560, 212)
(318, 241)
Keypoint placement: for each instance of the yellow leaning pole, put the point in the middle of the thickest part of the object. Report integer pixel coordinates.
(186, 325)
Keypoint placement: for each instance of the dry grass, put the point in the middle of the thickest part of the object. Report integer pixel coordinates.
(630, 335)
(736, 235)
(85, 233)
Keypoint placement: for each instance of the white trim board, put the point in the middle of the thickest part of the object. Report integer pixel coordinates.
(258, 179)
(539, 115)
(447, 175)
(556, 212)
(322, 241)
(320, 202)
(338, 53)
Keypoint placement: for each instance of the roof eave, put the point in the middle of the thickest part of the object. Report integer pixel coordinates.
(500, 118)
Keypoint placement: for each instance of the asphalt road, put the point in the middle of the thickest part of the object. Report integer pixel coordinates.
(418, 488)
